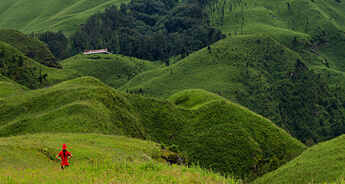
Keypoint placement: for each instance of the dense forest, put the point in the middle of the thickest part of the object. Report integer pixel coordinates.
(145, 29)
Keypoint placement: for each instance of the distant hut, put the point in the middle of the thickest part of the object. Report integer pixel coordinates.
(99, 51)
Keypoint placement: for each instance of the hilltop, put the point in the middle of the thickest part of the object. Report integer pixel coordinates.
(97, 159)
(30, 47)
(219, 134)
(114, 70)
(258, 73)
(8, 87)
(42, 15)
(322, 163)
(17, 67)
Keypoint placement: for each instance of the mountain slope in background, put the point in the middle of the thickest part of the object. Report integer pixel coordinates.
(27, 72)
(260, 74)
(30, 47)
(244, 142)
(313, 29)
(42, 15)
(8, 87)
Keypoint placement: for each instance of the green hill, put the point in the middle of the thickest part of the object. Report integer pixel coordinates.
(97, 159)
(113, 70)
(313, 29)
(320, 164)
(34, 16)
(27, 72)
(260, 74)
(8, 87)
(31, 47)
(221, 135)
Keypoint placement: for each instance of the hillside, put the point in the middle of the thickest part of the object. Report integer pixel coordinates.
(97, 159)
(114, 70)
(260, 74)
(313, 29)
(8, 87)
(320, 164)
(245, 143)
(43, 15)
(27, 72)
(30, 47)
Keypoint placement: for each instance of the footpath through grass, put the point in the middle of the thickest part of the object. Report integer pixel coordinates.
(97, 159)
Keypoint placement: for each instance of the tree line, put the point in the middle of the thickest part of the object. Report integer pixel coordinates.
(145, 29)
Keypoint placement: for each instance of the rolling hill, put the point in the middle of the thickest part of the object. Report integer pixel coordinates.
(217, 133)
(260, 74)
(30, 47)
(114, 70)
(27, 72)
(97, 159)
(320, 164)
(313, 29)
(8, 87)
(28, 16)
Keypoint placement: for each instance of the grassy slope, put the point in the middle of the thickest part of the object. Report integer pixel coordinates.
(113, 70)
(97, 159)
(27, 45)
(8, 87)
(318, 26)
(242, 139)
(43, 15)
(322, 163)
(256, 72)
(27, 72)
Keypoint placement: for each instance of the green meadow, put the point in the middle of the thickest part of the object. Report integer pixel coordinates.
(114, 70)
(97, 159)
(36, 16)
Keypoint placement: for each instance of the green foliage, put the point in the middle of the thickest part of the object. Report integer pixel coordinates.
(29, 46)
(258, 73)
(97, 159)
(221, 135)
(56, 42)
(322, 163)
(29, 73)
(8, 87)
(150, 30)
(114, 70)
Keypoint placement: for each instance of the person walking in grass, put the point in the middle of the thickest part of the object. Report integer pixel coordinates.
(65, 155)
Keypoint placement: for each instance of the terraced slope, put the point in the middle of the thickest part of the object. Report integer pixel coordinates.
(114, 70)
(54, 15)
(97, 159)
(219, 134)
(260, 74)
(320, 164)
(27, 72)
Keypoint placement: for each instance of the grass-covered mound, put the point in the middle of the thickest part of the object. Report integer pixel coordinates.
(8, 87)
(97, 159)
(260, 74)
(27, 72)
(320, 164)
(29, 46)
(53, 15)
(114, 70)
(221, 135)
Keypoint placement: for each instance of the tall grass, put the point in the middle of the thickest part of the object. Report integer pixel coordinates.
(97, 159)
